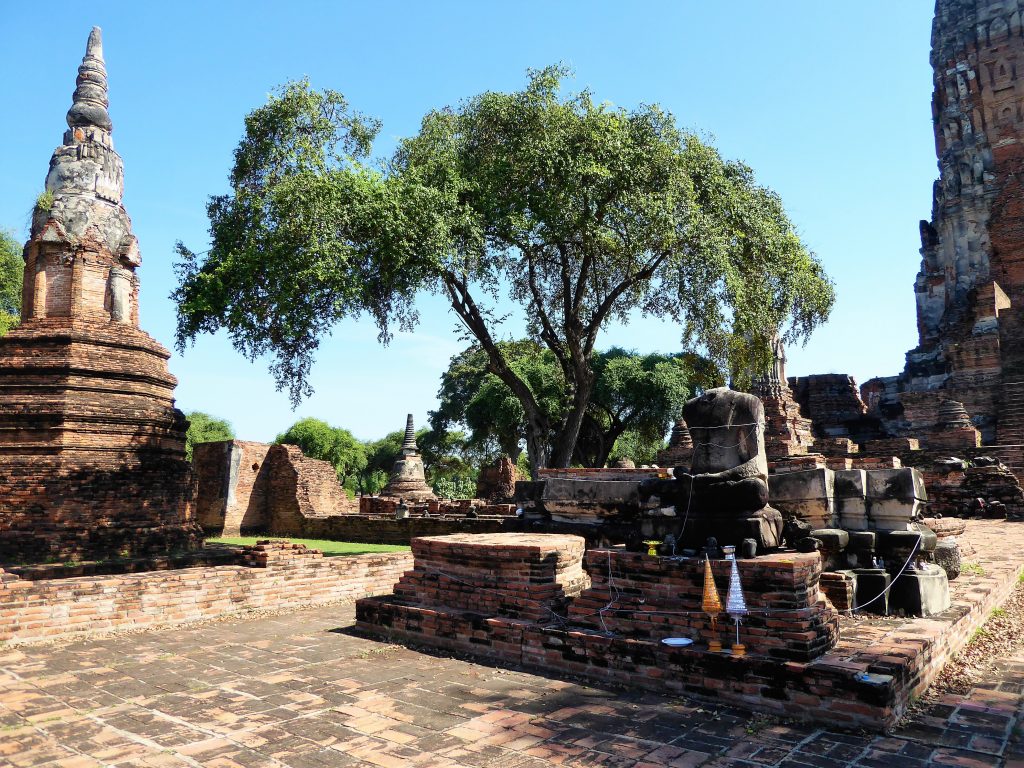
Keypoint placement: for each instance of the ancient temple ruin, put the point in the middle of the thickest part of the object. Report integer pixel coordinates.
(92, 449)
(408, 480)
(970, 289)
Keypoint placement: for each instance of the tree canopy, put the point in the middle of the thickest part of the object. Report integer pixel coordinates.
(635, 397)
(12, 269)
(204, 428)
(579, 211)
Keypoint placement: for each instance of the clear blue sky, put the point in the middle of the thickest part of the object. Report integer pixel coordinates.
(829, 102)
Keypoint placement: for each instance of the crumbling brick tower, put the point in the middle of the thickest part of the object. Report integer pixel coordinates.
(970, 290)
(92, 458)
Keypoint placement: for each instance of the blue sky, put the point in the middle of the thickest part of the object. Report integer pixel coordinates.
(828, 102)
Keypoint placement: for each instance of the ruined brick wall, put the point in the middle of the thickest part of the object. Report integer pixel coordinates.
(275, 576)
(299, 488)
(498, 481)
(245, 487)
(373, 529)
(233, 476)
(833, 403)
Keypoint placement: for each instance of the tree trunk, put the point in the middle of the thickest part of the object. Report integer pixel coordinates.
(537, 444)
(565, 440)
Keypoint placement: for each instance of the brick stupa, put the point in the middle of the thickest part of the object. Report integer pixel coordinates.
(92, 449)
(408, 480)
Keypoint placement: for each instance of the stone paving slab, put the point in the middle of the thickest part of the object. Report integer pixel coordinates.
(302, 690)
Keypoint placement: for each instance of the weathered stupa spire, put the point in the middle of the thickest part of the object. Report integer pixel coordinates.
(409, 444)
(90, 98)
(408, 480)
(92, 449)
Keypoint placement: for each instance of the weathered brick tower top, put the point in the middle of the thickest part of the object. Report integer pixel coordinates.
(92, 461)
(970, 289)
(83, 221)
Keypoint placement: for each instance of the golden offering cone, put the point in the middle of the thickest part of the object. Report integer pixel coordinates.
(738, 649)
(715, 646)
(711, 602)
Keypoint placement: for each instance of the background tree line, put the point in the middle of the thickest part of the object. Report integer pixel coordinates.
(636, 398)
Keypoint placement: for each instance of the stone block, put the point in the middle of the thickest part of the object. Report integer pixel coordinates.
(948, 557)
(832, 539)
(807, 495)
(895, 498)
(924, 592)
(589, 501)
(871, 583)
(851, 499)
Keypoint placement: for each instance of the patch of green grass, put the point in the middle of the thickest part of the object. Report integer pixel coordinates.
(997, 612)
(972, 568)
(329, 548)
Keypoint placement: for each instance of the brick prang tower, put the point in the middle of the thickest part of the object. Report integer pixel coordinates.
(92, 449)
(970, 289)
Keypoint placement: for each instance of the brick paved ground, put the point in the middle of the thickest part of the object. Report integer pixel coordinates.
(298, 690)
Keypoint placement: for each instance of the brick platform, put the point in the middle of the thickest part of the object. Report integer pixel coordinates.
(269, 576)
(867, 680)
(515, 575)
(656, 597)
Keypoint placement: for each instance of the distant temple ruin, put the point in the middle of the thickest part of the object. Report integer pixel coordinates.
(92, 449)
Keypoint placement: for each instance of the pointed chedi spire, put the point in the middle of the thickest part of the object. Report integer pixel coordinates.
(409, 444)
(90, 102)
(408, 480)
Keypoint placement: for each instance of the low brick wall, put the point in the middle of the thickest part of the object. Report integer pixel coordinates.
(274, 576)
(654, 597)
(867, 680)
(384, 529)
(519, 575)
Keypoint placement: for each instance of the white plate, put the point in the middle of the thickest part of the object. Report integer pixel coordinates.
(676, 642)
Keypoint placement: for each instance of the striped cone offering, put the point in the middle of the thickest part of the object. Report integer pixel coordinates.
(711, 604)
(736, 606)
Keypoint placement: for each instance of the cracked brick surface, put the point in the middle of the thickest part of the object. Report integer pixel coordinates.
(302, 690)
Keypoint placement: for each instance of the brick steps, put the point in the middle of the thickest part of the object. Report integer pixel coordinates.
(1010, 429)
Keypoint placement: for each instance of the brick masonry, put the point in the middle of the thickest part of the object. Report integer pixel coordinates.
(517, 575)
(656, 597)
(270, 576)
(245, 487)
(92, 460)
(867, 680)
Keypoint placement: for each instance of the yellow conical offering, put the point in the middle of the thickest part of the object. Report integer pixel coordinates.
(711, 604)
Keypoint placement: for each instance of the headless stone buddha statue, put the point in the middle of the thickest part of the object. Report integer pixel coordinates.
(724, 492)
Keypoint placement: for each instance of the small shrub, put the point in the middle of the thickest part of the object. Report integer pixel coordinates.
(45, 201)
(455, 488)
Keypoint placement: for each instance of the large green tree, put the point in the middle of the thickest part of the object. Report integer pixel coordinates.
(204, 428)
(634, 395)
(12, 269)
(579, 211)
(337, 446)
